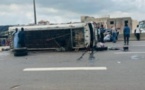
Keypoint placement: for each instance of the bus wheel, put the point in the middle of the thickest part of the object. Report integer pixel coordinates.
(20, 52)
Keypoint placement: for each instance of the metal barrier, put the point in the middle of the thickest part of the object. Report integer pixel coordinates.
(132, 37)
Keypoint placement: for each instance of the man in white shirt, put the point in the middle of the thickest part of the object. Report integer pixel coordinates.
(114, 34)
(137, 33)
(16, 38)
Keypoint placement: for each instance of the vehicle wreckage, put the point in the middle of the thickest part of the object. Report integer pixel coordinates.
(60, 37)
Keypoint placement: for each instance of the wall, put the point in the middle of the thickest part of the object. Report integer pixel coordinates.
(87, 19)
(134, 23)
(101, 21)
(119, 23)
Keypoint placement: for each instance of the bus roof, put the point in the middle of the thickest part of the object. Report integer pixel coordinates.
(48, 27)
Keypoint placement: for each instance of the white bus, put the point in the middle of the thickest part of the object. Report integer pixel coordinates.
(59, 37)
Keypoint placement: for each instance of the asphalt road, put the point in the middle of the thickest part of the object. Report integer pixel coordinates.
(124, 70)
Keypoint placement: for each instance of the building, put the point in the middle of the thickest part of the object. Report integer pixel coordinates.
(108, 22)
(43, 22)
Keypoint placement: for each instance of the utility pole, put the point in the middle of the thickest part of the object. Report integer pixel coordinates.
(35, 17)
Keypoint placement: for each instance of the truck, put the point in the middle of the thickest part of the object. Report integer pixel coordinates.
(60, 37)
(142, 26)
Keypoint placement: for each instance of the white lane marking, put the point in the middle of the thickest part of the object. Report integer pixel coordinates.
(138, 45)
(65, 69)
(118, 62)
(129, 53)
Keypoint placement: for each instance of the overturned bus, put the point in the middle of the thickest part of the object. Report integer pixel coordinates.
(59, 37)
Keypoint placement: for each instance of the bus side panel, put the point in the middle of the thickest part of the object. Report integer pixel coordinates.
(48, 39)
(54, 39)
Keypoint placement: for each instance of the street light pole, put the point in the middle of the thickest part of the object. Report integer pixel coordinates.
(35, 17)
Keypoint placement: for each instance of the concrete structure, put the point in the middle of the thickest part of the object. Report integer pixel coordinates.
(134, 25)
(43, 22)
(108, 22)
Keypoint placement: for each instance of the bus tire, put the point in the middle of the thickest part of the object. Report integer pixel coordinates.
(20, 52)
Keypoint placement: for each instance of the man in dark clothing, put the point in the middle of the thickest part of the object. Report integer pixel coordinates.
(102, 30)
(22, 38)
(98, 34)
(126, 33)
(3, 42)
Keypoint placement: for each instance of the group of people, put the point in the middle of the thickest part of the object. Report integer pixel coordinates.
(103, 35)
(4, 42)
(19, 38)
(126, 33)
(100, 33)
(112, 35)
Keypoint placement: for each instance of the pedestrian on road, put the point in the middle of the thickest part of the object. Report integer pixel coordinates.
(137, 33)
(16, 38)
(114, 34)
(126, 33)
(98, 34)
(7, 42)
(117, 31)
(22, 38)
(3, 42)
(102, 31)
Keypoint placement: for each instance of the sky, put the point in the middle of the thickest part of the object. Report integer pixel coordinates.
(14, 12)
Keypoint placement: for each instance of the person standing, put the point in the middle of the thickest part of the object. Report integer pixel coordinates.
(114, 34)
(126, 33)
(3, 42)
(98, 34)
(137, 33)
(117, 32)
(102, 31)
(16, 38)
(7, 42)
(22, 38)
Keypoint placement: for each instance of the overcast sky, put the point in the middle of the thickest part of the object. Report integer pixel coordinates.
(58, 11)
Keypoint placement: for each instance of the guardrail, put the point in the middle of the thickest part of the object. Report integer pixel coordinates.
(132, 37)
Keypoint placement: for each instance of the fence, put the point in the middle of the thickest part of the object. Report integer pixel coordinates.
(132, 37)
